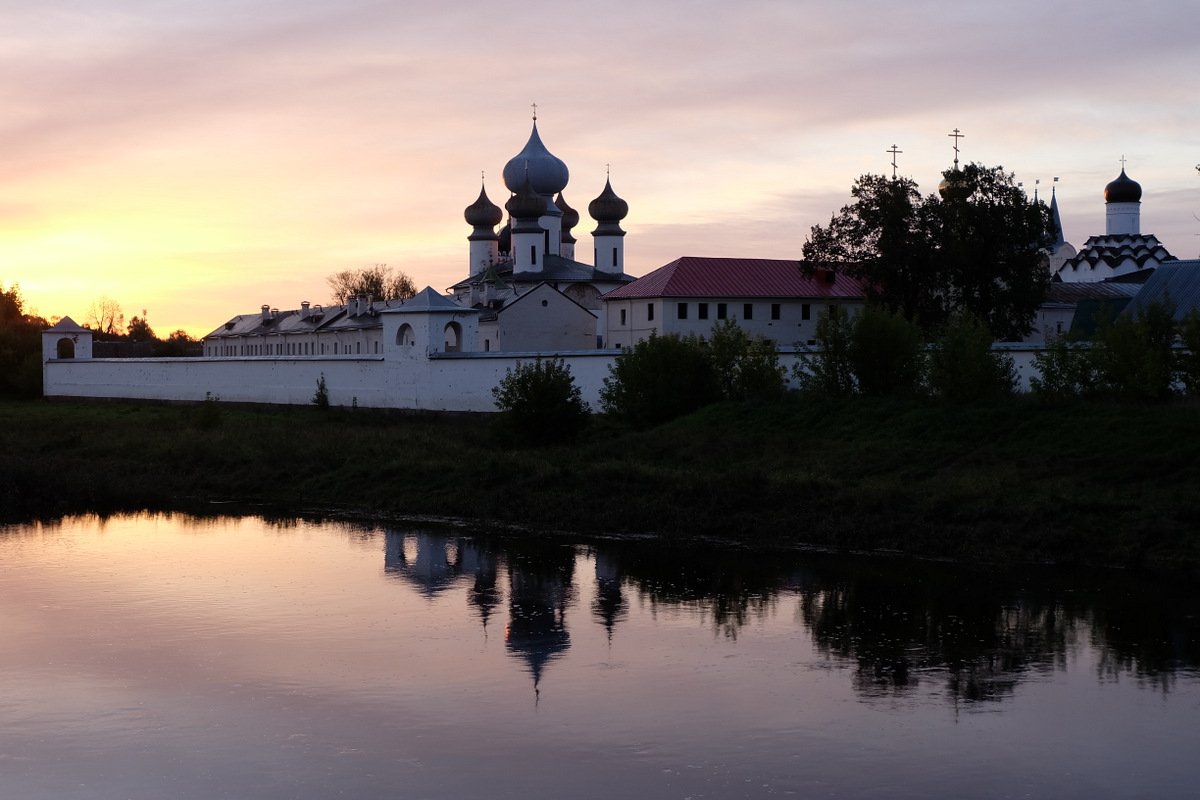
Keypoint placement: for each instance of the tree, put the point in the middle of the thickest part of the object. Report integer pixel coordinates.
(20, 345)
(540, 403)
(139, 330)
(886, 353)
(105, 317)
(380, 281)
(660, 378)
(963, 368)
(980, 249)
(828, 371)
(745, 367)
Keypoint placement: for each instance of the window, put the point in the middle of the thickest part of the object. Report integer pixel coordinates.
(806, 312)
(747, 311)
(649, 312)
(533, 254)
(774, 310)
(622, 316)
(721, 312)
(683, 310)
(702, 311)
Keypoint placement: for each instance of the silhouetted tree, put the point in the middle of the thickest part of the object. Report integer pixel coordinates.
(380, 281)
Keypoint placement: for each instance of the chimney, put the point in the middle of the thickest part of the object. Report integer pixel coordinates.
(266, 313)
(303, 309)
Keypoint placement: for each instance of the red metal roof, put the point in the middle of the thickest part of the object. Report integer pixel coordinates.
(692, 276)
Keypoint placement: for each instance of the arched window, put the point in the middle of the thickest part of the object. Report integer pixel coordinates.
(404, 336)
(453, 335)
(65, 348)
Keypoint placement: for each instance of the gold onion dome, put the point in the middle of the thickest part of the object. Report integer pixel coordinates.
(483, 213)
(954, 185)
(1123, 189)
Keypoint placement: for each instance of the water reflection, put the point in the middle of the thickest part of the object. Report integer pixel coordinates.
(975, 634)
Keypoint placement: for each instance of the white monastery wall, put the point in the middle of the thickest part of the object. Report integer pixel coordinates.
(414, 380)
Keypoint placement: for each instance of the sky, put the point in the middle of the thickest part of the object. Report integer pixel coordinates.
(196, 159)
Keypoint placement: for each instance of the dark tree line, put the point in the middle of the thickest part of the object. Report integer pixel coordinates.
(979, 247)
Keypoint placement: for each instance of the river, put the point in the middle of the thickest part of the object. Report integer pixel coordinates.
(176, 656)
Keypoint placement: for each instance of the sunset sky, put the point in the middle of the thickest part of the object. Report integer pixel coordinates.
(198, 159)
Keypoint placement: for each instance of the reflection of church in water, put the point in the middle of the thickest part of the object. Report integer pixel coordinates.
(541, 587)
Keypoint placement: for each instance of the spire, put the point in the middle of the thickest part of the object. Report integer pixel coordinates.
(1055, 219)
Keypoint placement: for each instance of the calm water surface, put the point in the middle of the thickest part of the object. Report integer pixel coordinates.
(167, 656)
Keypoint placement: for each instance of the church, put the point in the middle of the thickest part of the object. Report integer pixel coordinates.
(524, 289)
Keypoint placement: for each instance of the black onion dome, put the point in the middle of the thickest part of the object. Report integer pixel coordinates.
(545, 171)
(608, 207)
(570, 217)
(526, 203)
(483, 213)
(1123, 190)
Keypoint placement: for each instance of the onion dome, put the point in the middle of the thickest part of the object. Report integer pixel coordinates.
(504, 238)
(570, 218)
(526, 204)
(954, 186)
(483, 213)
(546, 172)
(608, 208)
(1123, 190)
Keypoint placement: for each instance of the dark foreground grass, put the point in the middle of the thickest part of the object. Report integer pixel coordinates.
(1015, 481)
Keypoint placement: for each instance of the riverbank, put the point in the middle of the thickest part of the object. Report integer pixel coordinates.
(1015, 481)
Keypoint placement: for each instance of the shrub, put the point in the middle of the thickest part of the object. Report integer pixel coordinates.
(658, 379)
(1134, 356)
(963, 367)
(539, 403)
(886, 353)
(744, 367)
(1065, 370)
(320, 398)
(828, 371)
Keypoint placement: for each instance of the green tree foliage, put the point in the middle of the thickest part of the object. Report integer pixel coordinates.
(828, 371)
(658, 379)
(540, 403)
(979, 250)
(963, 368)
(320, 397)
(20, 346)
(745, 367)
(1134, 357)
(380, 281)
(177, 344)
(886, 353)
(1066, 369)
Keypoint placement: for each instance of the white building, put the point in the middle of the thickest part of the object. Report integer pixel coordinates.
(774, 298)
(1123, 252)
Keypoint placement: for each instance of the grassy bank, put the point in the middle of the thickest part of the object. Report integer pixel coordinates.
(1095, 483)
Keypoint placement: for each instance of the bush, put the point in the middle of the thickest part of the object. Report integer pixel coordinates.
(828, 371)
(744, 367)
(1134, 355)
(1065, 370)
(539, 403)
(963, 368)
(320, 398)
(660, 378)
(886, 353)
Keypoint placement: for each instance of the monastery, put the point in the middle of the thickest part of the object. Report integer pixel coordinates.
(525, 295)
